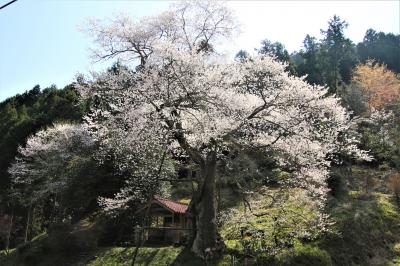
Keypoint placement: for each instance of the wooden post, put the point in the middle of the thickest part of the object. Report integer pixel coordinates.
(28, 220)
(10, 229)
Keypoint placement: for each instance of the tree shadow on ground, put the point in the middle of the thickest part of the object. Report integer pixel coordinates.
(368, 227)
(187, 257)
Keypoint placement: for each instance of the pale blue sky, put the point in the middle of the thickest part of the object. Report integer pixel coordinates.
(40, 42)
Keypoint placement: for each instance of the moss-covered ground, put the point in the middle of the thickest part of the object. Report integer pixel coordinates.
(147, 256)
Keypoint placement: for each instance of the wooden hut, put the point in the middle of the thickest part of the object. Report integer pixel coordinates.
(164, 221)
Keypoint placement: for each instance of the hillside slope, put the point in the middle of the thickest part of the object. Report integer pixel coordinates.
(367, 233)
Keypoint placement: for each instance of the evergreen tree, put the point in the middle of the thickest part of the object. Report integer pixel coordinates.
(383, 48)
(308, 61)
(337, 54)
(278, 50)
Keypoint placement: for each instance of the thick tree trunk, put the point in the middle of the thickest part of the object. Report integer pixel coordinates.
(206, 242)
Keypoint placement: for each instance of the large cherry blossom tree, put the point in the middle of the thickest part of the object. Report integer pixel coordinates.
(183, 97)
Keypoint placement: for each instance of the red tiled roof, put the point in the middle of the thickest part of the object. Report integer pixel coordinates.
(172, 205)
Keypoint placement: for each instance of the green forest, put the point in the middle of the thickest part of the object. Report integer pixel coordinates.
(82, 167)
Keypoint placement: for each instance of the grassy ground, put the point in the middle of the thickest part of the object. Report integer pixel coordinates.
(146, 256)
(150, 256)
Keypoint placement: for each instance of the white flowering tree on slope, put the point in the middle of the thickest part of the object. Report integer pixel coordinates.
(42, 168)
(185, 98)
